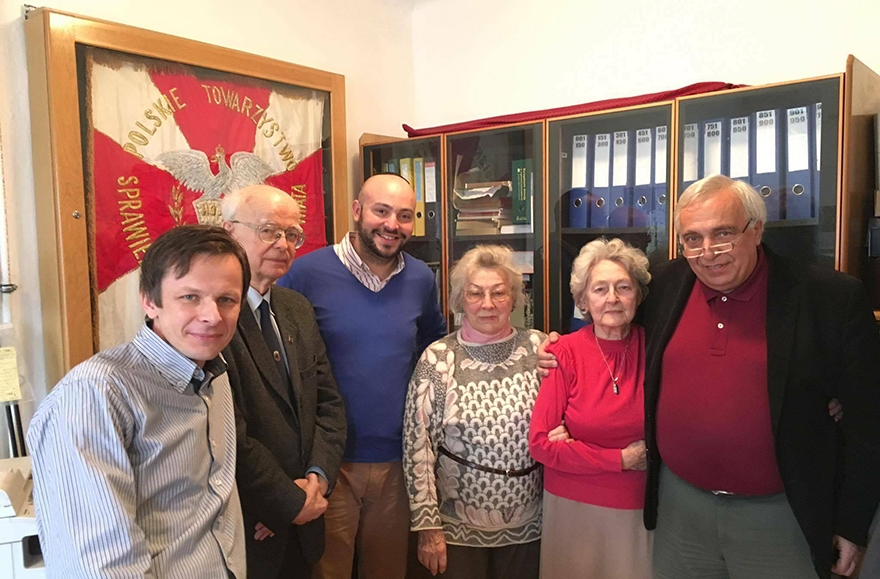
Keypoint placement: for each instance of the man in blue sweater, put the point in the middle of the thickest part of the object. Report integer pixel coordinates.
(377, 309)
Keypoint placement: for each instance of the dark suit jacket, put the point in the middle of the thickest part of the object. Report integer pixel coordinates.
(822, 343)
(279, 438)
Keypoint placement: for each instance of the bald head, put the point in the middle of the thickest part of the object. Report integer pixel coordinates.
(259, 217)
(386, 182)
(255, 194)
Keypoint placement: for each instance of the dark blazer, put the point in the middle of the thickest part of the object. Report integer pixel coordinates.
(279, 438)
(822, 343)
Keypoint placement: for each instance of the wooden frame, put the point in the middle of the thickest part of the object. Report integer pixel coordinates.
(52, 38)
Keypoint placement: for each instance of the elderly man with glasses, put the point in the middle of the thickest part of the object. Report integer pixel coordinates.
(748, 475)
(290, 418)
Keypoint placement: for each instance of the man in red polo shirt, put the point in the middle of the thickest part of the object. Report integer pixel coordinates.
(749, 476)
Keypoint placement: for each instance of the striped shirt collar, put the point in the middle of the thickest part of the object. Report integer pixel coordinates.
(176, 368)
(353, 263)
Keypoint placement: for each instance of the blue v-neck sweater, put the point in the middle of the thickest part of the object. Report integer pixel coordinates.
(373, 340)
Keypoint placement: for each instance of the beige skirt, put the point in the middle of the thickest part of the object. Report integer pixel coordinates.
(581, 541)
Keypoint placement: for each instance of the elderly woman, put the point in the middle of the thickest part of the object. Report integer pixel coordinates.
(474, 491)
(594, 481)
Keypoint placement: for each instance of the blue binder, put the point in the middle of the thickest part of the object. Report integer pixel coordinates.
(599, 207)
(577, 200)
(799, 162)
(816, 113)
(660, 203)
(622, 167)
(739, 149)
(690, 162)
(766, 168)
(643, 188)
(713, 148)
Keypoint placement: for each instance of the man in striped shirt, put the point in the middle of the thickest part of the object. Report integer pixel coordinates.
(134, 450)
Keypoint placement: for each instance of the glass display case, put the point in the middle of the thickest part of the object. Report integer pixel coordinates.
(782, 139)
(419, 162)
(608, 176)
(495, 196)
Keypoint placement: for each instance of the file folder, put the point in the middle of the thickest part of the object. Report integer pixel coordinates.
(621, 181)
(739, 153)
(690, 163)
(661, 201)
(599, 207)
(766, 161)
(714, 137)
(643, 189)
(418, 172)
(577, 199)
(406, 171)
(817, 166)
(432, 216)
(798, 174)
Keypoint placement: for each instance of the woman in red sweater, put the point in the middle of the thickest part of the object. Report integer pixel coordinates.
(594, 466)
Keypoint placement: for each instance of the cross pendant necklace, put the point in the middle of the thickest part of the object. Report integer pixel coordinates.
(614, 378)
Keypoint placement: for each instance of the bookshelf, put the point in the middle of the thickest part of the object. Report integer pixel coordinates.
(829, 228)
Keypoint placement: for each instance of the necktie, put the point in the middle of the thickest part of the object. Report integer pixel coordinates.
(272, 340)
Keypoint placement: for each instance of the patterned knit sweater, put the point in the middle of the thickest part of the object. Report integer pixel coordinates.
(476, 400)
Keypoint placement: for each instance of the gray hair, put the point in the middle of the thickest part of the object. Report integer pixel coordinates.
(629, 258)
(708, 187)
(495, 257)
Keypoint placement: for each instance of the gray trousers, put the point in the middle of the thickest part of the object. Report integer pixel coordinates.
(701, 535)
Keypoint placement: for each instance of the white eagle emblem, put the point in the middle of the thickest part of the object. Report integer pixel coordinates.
(193, 170)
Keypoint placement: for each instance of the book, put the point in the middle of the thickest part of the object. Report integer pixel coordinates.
(523, 184)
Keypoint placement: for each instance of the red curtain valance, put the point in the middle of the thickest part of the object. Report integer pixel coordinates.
(691, 89)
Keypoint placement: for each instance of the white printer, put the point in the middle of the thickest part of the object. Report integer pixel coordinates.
(20, 556)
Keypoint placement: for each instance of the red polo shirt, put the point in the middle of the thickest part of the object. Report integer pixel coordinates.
(713, 416)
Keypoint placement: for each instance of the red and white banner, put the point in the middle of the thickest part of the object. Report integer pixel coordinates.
(166, 142)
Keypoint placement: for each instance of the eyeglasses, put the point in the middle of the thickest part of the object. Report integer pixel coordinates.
(498, 297)
(717, 249)
(269, 233)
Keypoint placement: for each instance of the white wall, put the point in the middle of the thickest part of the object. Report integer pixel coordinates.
(492, 57)
(368, 41)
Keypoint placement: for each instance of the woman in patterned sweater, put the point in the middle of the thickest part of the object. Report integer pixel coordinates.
(474, 491)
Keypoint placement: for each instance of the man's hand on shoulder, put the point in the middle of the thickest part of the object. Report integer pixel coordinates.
(546, 360)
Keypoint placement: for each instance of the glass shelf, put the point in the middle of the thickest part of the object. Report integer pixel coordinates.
(495, 196)
(784, 141)
(607, 176)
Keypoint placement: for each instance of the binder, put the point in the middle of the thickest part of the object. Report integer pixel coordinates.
(690, 162)
(766, 164)
(622, 153)
(739, 152)
(406, 170)
(432, 216)
(578, 197)
(392, 166)
(798, 192)
(817, 166)
(660, 203)
(418, 171)
(599, 207)
(713, 138)
(643, 188)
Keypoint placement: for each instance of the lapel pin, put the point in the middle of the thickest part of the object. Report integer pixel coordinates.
(276, 355)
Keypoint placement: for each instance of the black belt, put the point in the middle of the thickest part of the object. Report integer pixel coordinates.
(501, 471)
